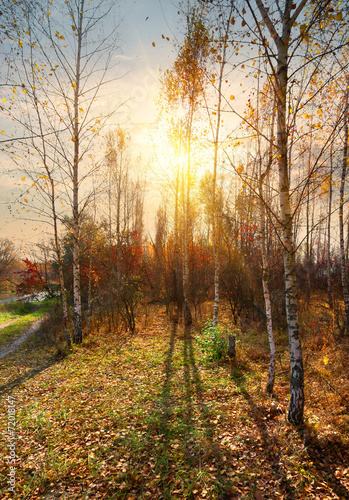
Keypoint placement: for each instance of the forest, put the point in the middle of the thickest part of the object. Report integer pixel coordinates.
(180, 330)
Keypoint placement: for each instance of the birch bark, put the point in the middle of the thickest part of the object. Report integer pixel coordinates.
(77, 336)
(344, 273)
(296, 404)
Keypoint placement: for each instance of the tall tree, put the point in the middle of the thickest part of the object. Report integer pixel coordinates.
(219, 15)
(185, 84)
(65, 54)
(344, 169)
(278, 51)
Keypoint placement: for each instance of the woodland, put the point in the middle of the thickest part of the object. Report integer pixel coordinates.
(208, 358)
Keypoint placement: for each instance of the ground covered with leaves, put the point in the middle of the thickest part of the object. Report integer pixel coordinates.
(145, 417)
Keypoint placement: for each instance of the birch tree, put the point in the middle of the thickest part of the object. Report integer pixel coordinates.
(65, 61)
(280, 21)
(185, 84)
(220, 15)
(343, 260)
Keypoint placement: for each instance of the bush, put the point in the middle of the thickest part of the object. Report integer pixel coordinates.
(213, 342)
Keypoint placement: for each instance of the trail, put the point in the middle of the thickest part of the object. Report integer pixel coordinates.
(20, 340)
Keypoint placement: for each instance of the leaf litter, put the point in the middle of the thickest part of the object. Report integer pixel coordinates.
(147, 419)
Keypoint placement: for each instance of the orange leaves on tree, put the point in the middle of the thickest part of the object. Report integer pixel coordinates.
(32, 280)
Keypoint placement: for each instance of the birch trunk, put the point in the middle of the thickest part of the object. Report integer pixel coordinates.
(344, 274)
(215, 232)
(186, 208)
(77, 337)
(269, 318)
(187, 312)
(267, 298)
(329, 281)
(89, 297)
(296, 405)
(177, 291)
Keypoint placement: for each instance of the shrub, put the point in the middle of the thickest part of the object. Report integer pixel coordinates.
(213, 342)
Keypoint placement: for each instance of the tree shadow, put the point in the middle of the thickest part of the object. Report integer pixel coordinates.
(212, 454)
(325, 455)
(316, 450)
(271, 445)
(179, 441)
(9, 386)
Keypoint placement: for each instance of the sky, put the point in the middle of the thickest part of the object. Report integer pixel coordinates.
(143, 54)
(143, 22)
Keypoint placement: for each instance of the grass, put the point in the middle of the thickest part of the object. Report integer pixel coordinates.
(22, 315)
(148, 418)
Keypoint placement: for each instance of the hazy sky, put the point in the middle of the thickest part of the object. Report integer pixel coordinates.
(142, 23)
(143, 52)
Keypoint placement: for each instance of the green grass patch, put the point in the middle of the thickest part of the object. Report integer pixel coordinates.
(22, 315)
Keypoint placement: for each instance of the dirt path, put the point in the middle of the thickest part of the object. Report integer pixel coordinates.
(7, 323)
(20, 340)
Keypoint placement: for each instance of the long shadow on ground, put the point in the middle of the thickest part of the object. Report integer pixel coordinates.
(271, 445)
(333, 453)
(9, 386)
(178, 451)
(212, 453)
(326, 455)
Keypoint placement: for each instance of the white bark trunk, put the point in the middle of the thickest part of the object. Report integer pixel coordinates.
(344, 274)
(215, 232)
(77, 337)
(296, 406)
(329, 281)
(267, 299)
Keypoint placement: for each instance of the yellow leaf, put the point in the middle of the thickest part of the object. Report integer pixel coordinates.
(74, 85)
(339, 16)
(41, 176)
(23, 178)
(3, 131)
(325, 360)
(4, 100)
(25, 199)
(232, 97)
(20, 43)
(153, 44)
